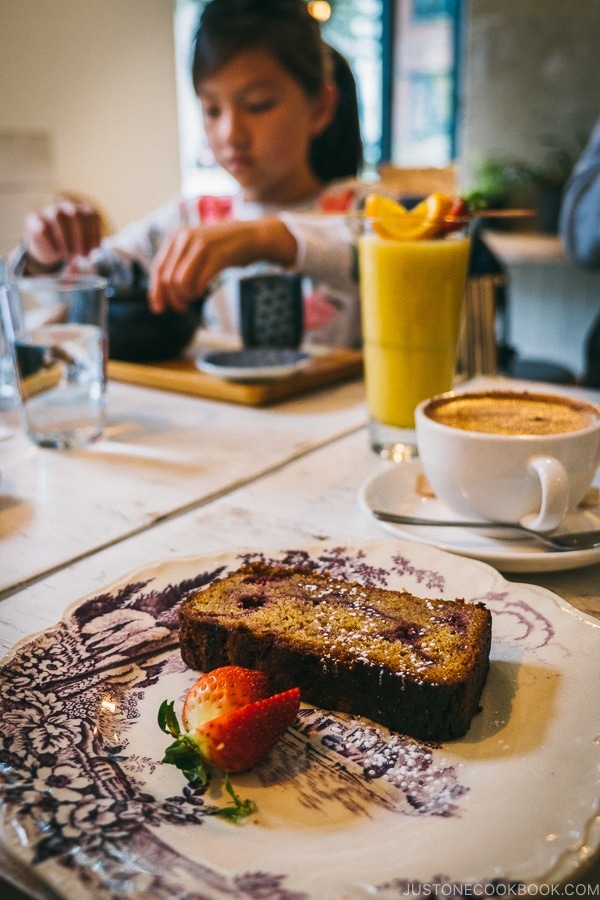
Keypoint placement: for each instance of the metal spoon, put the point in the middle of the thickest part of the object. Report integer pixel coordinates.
(574, 540)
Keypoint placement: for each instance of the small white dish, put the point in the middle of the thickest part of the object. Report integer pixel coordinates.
(395, 489)
(253, 363)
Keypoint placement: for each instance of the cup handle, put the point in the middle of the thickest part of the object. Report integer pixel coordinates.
(555, 494)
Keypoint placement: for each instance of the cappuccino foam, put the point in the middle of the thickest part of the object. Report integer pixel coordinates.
(502, 412)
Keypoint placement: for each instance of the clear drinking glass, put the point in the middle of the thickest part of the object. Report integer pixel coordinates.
(411, 301)
(57, 327)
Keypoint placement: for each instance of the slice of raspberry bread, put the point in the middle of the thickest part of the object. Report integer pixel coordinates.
(415, 665)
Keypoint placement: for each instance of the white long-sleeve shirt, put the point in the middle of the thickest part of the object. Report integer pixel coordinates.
(326, 256)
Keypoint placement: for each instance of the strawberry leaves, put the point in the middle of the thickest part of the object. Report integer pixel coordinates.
(183, 752)
(237, 808)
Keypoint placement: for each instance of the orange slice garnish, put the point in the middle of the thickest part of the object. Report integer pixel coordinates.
(393, 221)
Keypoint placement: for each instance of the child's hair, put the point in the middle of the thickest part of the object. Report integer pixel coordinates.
(286, 29)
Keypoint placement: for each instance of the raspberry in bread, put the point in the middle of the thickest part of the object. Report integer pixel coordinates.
(417, 666)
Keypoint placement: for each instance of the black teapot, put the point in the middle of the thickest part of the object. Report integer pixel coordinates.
(136, 334)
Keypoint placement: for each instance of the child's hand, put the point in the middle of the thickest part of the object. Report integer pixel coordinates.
(61, 231)
(191, 258)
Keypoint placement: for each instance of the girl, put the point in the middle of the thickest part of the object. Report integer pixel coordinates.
(280, 113)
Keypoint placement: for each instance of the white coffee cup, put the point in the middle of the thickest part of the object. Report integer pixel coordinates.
(509, 456)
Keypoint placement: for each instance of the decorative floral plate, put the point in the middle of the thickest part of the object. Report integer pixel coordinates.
(346, 808)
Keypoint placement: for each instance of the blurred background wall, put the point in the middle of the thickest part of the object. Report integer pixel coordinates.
(96, 80)
(531, 78)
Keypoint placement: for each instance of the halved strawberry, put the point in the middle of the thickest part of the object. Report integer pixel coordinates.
(230, 723)
(221, 691)
(238, 740)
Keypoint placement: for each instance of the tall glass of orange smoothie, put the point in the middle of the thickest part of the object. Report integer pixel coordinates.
(411, 299)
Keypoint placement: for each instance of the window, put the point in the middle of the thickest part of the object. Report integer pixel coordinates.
(199, 174)
(356, 29)
(425, 78)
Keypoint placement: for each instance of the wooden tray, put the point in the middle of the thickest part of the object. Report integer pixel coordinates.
(183, 376)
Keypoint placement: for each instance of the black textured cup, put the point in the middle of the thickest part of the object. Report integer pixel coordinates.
(271, 313)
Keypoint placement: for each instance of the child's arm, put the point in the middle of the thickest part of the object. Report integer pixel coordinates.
(326, 247)
(191, 258)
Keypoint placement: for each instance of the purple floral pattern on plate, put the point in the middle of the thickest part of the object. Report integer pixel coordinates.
(81, 799)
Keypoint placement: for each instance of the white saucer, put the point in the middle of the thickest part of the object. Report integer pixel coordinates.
(253, 363)
(395, 490)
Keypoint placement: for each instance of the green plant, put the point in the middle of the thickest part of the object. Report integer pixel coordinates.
(494, 182)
